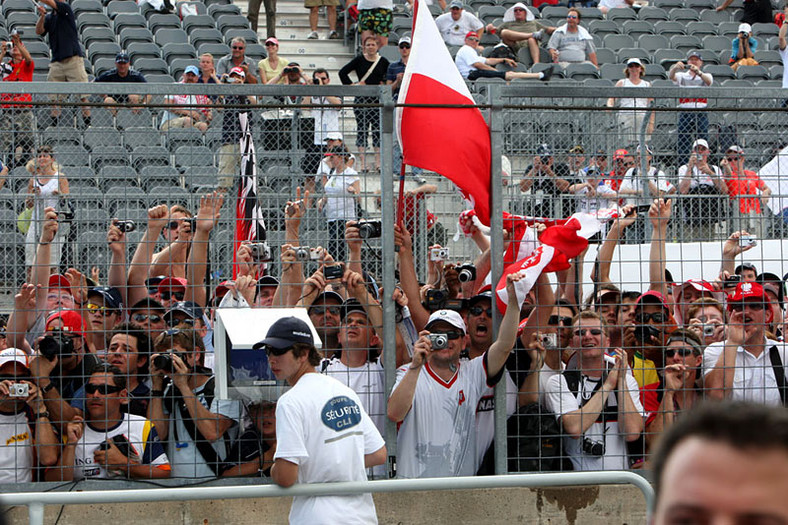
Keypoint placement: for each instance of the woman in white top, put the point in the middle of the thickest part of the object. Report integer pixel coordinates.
(630, 117)
(45, 189)
(341, 189)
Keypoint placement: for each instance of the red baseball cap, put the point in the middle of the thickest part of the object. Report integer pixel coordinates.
(700, 285)
(747, 291)
(72, 321)
(620, 153)
(58, 280)
(172, 282)
(470, 34)
(651, 297)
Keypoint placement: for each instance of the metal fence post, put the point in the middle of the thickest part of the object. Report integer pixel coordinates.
(496, 269)
(387, 209)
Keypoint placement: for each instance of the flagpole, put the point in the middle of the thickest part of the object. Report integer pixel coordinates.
(400, 200)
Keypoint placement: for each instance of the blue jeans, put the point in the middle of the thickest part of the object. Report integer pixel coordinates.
(691, 127)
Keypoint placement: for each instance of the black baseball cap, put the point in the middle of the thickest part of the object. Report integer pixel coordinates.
(745, 266)
(111, 296)
(122, 57)
(350, 306)
(324, 297)
(190, 308)
(285, 332)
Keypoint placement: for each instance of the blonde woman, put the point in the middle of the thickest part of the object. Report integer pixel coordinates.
(630, 116)
(271, 67)
(45, 189)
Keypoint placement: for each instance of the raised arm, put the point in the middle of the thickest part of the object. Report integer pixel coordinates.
(116, 239)
(207, 217)
(608, 248)
(407, 275)
(659, 214)
(507, 331)
(719, 381)
(143, 255)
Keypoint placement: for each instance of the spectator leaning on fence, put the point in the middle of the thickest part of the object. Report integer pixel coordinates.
(16, 120)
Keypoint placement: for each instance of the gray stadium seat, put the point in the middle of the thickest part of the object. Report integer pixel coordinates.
(714, 16)
(738, 83)
(41, 65)
(134, 34)
(668, 28)
(701, 29)
(179, 65)
(125, 20)
(581, 71)
(158, 78)
(72, 155)
(776, 72)
(136, 136)
(166, 36)
(86, 6)
(712, 57)
(653, 14)
(603, 27)
(488, 13)
(103, 50)
(126, 118)
(80, 175)
(193, 22)
(686, 14)
(151, 65)
(138, 213)
(668, 57)
(653, 42)
(247, 34)
(685, 42)
(109, 156)
(588, 14)
(621, 14)
(186, 156)
(97, 34)
(668, 4)
(761, 30)
(21, 20)
(117, 7)
(752, 73)
(255, 51)
(114, 175)
(151, 176)
(716, 43)
(200, 8)
(729, 29)
(65, 135)
(150, 156)
(162, 21)
(633, 52)
(225, 22)
(720, 72)
(605, 56)
(700, 5)
(216, 49)
(17, 6)
(138, 50)
(172, 51)
(612, 71)
(196, 176)
(616, 42)
(654, 72)
(98, 137)
(217, 10)
(204, 36)
(636, 28)
(92, 20)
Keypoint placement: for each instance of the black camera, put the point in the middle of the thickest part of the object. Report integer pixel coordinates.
(119, 441)
(593, 448)
(316, 81)
(333, 271)
(289, 70)
(164, 361)
(644, 333)
(733, 280)
(436, 299)
(58, 344)
(439, 341)
(466, 273)
(369, 229)
(126, 226)
(261, 252)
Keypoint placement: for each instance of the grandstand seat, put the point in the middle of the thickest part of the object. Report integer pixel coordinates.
(151, 176)
(118, 7)
(214, 48)
(186, 156)
(98, 137)
(217, 10)
(162, 21)
(159, 78)
(738, 83)
(41, 65)
(109, 156)
(654, 72)
(86, 6)
(141, 135)
(488, 13)
(776, 72)
(653, 42)
(605, 56)
(225, 22)
(80, 175)
(127, 118)
(761, 30)
(685, 42)
(581, 71)
(114, 175)
(717, 43)
(97, 34)
(618, 41)
(138, 50)
(653, 14)
(700, 5)
(612, 71)
(771, 83)
(668, 4)
(166, 36)
(102, 116)
(198, 21)
(173, 193)
(199, 7)
(588, 14)
(66, 135)
(197, 176)
(712, 57)
(179, 65)
(668, 28)
(150, 156)
(720, 72)
(134, 34)
(752, 73)
(598, 83)
(701, 29)
(620, 14)
(172, 51)
(636, 28)
(37, 48)
(92, 20)
(151, 65)
(668, 57)
(391, 52)
(603, 27)
(554, 11)
(204, 36)
(255, 52)
(728, 29)
(684, 14)
(247, 34)
(72, 155)
(103, 50)
(400, 25)
(17, 6)
(626, 53)
(714, 16)
(768, 58)
(124, 20)
(137, 211)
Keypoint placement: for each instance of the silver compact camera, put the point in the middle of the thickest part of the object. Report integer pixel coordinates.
(439, 254)
(305, 253)
(19, 390)
(708, 330)
(261, 252)
(439, 341)
(549, 341)
(747, 240)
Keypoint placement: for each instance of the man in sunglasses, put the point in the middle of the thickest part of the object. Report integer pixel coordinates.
(653, 324)
(323, 432)
(149, 314)
(571, 43)
(104, 310)
(396, 70)
(521, 29)
(747, 365)
(598, 405)
(236, 58)
(172, 290)
(109, 444)
(748, 192)
(324, 312)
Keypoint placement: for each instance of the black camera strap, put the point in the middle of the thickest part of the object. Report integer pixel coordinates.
(779, 374)
(204, 446)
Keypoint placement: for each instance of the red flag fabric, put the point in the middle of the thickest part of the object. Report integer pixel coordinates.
(451, 141)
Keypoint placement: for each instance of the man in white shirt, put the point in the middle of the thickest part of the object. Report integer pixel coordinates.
(783, 47)
(703, 187)
(598, 404)
(691, 124)
(455, 24)
(747, 366)
(323, 433)
(472, 65)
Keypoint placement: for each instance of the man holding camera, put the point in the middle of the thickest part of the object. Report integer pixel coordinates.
(26, 431)
(109, 443)
(435, 396)
(16, 120)
(598, 404)
(743, 48)
(691, 124)
(198, 428)
(326, 125)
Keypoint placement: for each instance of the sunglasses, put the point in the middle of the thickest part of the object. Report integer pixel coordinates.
(404, 46)
(322, 310)
(141, 318)
(277, 352)
(571, 16)
(657, 317)
(683, 352)
(580, 332)
(478, 310)
(554, 320)
(97, 309)
(166, 296)
(739, 307)
(472, 39)
(104, 390)
(451, 334)
(175, 322)
(240, 47)
(267, 44)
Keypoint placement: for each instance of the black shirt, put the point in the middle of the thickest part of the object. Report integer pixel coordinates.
(62, 29)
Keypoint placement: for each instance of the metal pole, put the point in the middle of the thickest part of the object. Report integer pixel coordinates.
(644, 169)
(35, 512)
(389, 257)
(496, 268)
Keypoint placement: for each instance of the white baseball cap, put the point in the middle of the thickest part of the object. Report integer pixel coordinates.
(745, 28)
(13, 355)
(700, 142)
(333, 135)
(447, 316)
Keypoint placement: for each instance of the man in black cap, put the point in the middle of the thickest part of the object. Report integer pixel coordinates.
(105, 310)
(266, 288)
(322, 431)
(122, 73)
(747, 272)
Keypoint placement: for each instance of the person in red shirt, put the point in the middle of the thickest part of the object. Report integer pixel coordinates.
(16, 120)
(747, 191)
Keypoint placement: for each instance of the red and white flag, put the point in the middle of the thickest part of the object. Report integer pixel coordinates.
(451, 141)
(249, 223)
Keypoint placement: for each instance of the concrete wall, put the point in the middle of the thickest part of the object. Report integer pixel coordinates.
(607, 505)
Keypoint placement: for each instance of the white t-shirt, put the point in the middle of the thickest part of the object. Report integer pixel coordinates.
(465, 59)
(485, 416)
(322, 427)
(369, 382)
(632, 182)
(375, 4)
(454, 31)
(438, 435)
(561, 400)
(340, 203)
(144, 444)
(784, 57)
(753, 377)
(699, 178)
(326, 119)
(610, 4)
(690, 80)
(16, 449)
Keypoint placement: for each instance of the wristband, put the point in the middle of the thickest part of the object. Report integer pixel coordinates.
(47, 388)
(42, 414)
(157, 393)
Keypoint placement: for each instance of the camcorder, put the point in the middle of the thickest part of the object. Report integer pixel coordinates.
(466, 273)
(57, 344)
(369, 229)
(439, 300)
(164, 361)
(439, 341)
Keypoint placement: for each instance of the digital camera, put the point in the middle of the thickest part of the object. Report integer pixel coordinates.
(333, 271)
(164, 361)
(593, 448)
(58, 344)
(466, 273)
(439, 341)
(439, 254)
(261, 252)
(747, 240)
(126, 226)
(369, 229)
(18, 390)
(436, 299)
(305, 253)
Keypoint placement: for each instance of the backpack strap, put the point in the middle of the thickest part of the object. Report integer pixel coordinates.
(204, 446)
(779, 374)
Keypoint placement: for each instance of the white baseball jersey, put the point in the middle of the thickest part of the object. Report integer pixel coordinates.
(438, 435)
(485, 416)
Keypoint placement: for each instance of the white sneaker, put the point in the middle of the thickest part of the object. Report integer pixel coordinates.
(333, 35)
(313, 35)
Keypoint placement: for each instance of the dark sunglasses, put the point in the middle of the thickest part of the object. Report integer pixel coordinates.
(322, 310)
(175, 322)
(739, 307)
(571, 16)
(277, 352)
(239, 47)
(104, 390)
(683, 352)
(267, 44)
(580, 332)
(554, 320)
(657, 317)
(404, 46)
(141, 318)
(478, 310)
(451, 334)
(166, 296)
(15, 378)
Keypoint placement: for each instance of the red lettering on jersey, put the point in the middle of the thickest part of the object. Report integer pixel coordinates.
(462, 397)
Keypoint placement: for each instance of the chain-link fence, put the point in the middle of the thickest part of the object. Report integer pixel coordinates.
(147, 200)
